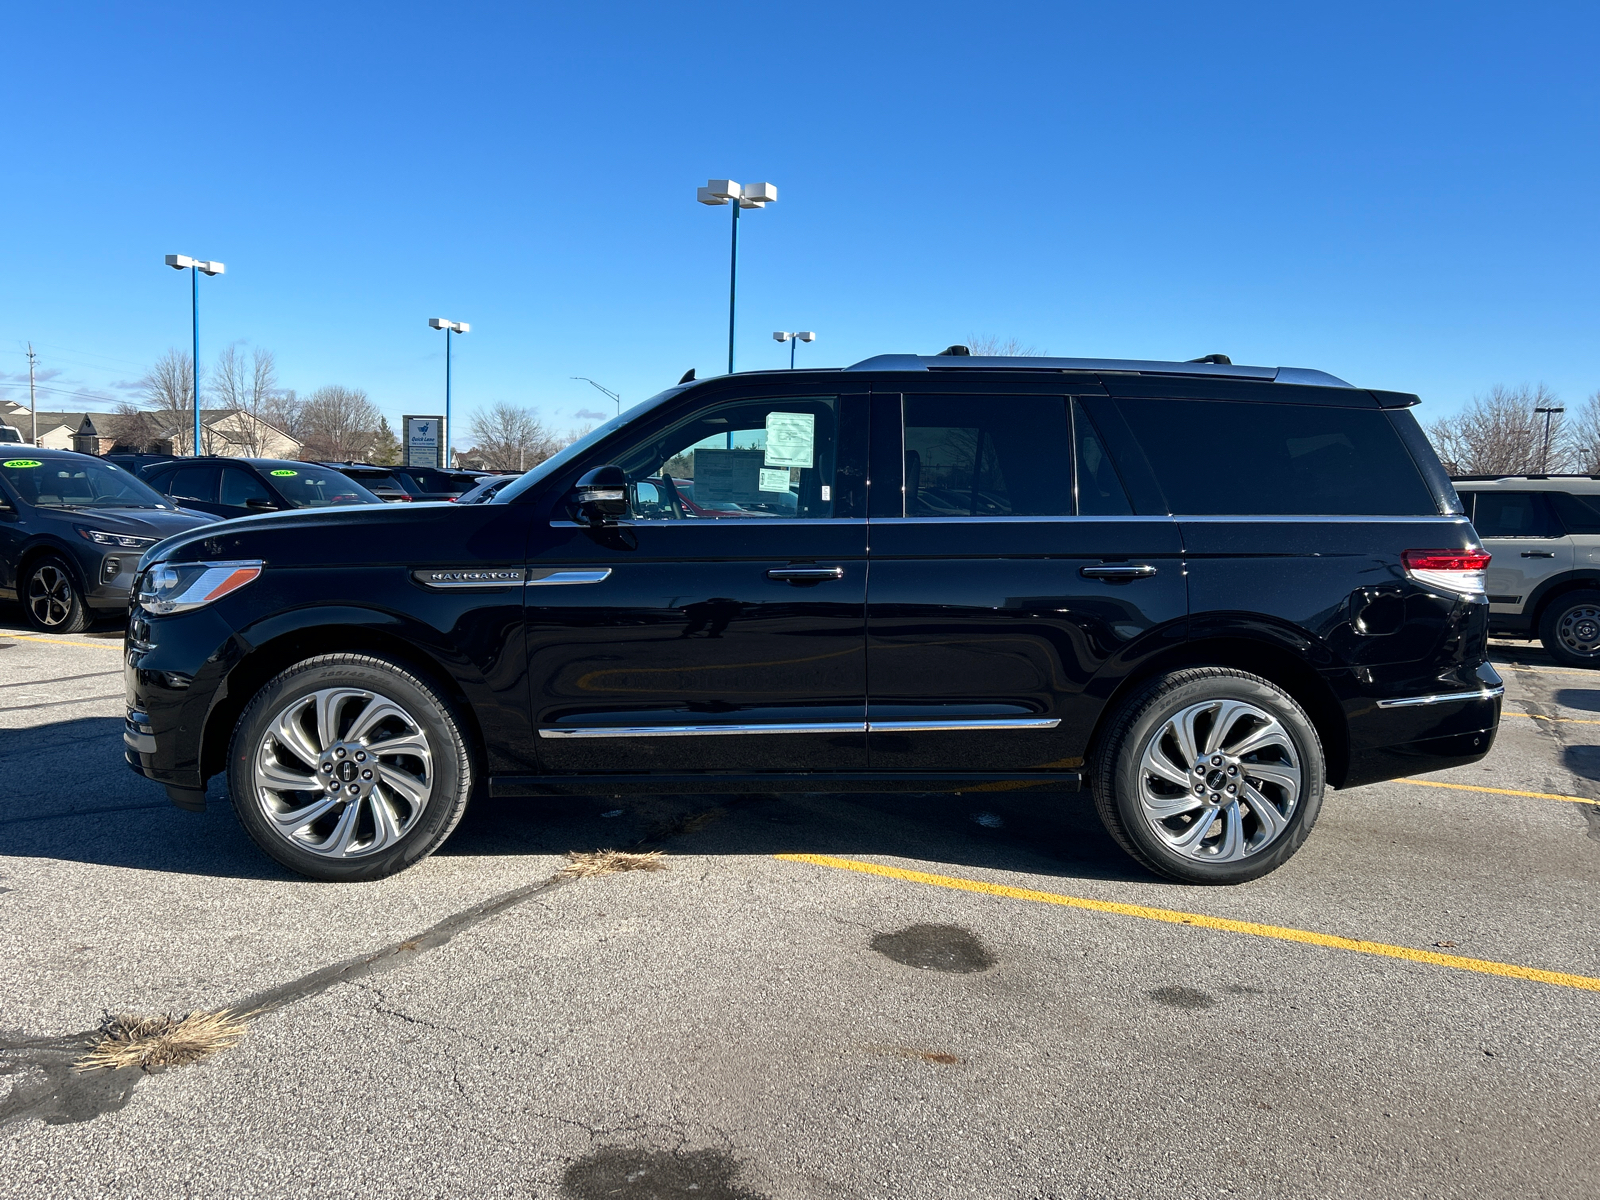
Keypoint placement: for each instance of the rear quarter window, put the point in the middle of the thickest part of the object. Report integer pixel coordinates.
(1227, 458)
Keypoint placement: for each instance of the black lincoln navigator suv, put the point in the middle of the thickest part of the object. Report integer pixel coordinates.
(1202, 591)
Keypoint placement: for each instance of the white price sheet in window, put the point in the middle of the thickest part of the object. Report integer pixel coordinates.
(791, 439)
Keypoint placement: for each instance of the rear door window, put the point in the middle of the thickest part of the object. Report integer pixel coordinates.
(987, 456)
(1513, 514)
(1220, 457)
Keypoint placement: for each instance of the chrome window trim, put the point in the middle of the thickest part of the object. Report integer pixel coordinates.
(1493, 693)
(616, 731)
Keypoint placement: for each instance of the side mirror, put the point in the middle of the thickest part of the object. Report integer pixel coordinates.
(260, 505)
(601, 496)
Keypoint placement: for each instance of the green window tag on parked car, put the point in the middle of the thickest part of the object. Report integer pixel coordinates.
(282, 473)
(22, 462)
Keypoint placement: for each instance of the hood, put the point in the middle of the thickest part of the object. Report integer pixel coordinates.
(139, 522)
(355, 535)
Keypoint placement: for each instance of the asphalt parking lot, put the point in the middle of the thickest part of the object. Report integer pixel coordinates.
(821, 996)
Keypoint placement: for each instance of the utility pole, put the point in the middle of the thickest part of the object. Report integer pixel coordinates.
(33, 403)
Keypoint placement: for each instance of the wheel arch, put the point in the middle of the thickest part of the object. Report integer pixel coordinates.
(1552, 589)
(1270, 660)
(268, 658)
(43, 547)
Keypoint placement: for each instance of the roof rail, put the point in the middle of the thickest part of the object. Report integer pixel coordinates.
(1126, 366)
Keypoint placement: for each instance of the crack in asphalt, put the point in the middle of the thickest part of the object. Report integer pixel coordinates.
(57, 1094)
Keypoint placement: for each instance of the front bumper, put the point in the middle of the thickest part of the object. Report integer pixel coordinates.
(174, 672)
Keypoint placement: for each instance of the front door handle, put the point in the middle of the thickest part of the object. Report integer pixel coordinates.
(1118, 571)
(1538, 554)
(802, 576)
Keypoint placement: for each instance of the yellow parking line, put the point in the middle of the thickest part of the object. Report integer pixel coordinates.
(1471, 787)
(1550, 670)
(23, 637)
(1175, 917)
(1542, 717)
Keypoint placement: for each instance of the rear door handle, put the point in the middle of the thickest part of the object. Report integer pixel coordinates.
(1118, 571)
(804, 575)
(1538, 554)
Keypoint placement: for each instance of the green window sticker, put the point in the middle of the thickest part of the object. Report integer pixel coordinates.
(22, 462)
(284, 474)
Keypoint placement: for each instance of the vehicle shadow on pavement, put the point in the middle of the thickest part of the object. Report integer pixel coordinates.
(1041, 833)
(70, 795)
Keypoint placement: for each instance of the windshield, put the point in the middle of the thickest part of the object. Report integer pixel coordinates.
(306, 486)
(553, 464)
(77, 483)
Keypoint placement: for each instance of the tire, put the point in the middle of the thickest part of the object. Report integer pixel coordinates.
(1569, 628)
(1148, 799)
(365, 814)
(51, 599)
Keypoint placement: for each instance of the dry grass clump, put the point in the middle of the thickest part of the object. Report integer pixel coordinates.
(153, 1043)
(583, 863)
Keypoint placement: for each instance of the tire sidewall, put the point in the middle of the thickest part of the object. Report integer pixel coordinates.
(453, 774)
(1550, 621)
(1157, 707)
(77, 615)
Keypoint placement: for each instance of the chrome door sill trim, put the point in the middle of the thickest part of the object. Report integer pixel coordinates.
(617, 731)
(963, 726)
(1493, 693)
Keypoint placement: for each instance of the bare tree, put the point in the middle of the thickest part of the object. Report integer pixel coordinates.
(1503, 434)
(509, 438)
(1583, 434)
(990, 345)
(250, 386)
(164, 412)
(337, 423)
(286, 411)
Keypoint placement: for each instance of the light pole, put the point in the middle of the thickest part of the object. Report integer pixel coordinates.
(1544, 459)
(749, 195)
(449, 327)
(616, 396)
(793, 339)
(195, 267)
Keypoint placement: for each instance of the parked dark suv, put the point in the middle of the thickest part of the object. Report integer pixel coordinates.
(1202, 591)
(240, 487)
(72, 528)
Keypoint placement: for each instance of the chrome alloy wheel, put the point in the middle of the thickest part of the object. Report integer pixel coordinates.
(1579, 630)
(1219, 780)
(49, 595)
(343, 772)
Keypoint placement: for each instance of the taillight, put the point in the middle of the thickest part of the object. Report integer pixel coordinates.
(1453, 570)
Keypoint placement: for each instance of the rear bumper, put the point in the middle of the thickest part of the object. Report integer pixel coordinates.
(1446, 726)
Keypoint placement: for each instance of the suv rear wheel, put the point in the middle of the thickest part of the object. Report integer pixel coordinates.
(349, 767)
(1570, 629)
(1209, 775)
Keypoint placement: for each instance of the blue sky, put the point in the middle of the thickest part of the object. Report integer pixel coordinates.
(1402, 194)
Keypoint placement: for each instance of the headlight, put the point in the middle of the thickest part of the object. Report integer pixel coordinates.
(123, 541)
(177, 587)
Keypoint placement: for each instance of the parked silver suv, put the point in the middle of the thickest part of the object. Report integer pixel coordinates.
(1544, 579)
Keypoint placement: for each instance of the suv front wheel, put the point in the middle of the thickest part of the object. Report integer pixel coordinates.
(1570, 629)
(349, 767)
(1209, 775)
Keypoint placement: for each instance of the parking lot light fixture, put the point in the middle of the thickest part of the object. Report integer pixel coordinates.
(794, 339)
(740, 195)
(449, 327)
(196, 267)
(616, 396)
(1544, 459)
